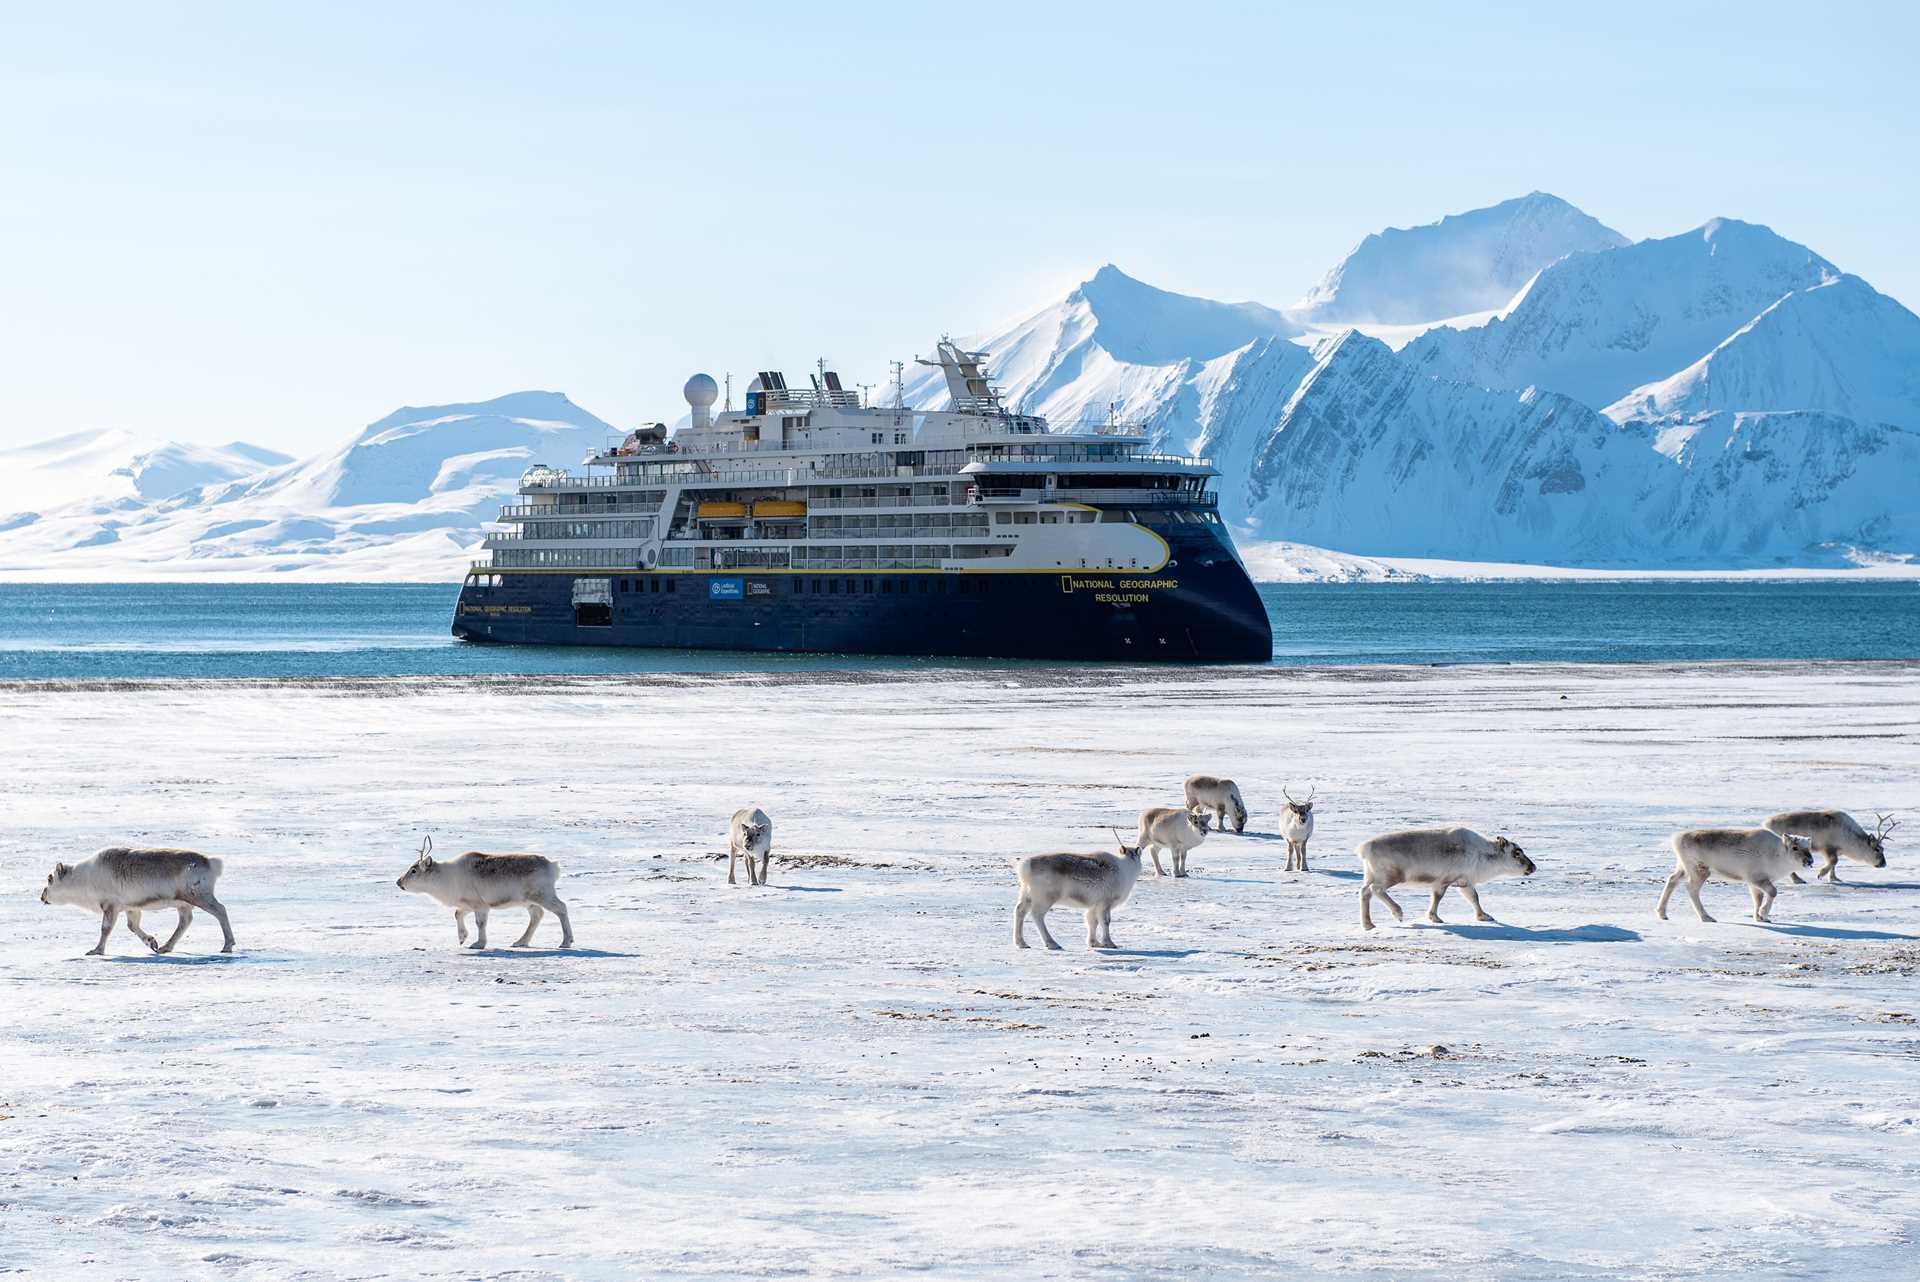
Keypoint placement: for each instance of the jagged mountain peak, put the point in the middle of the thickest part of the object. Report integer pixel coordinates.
(1142, 324)
(1464, 263)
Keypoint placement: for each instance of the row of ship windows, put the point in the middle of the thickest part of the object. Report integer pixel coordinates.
(929, 585)
(899, 521)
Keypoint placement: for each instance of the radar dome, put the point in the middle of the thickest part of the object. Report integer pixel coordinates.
(701, 391)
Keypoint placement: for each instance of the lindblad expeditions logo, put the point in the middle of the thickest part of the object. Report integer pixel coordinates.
(1117, 591)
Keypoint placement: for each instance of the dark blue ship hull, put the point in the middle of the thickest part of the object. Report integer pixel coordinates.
(1201, 607)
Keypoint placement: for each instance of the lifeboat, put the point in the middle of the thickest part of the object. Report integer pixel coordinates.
(720, 511)
(779, 507)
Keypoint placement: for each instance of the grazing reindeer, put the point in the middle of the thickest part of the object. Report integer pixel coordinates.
(477, 883)
(1436, 857)
(1173, 828)
(750, 834)
(1097, 882)
(1754, 855)
(1222, 796)
(1833, 833)
(1296, 825)
(124, 879)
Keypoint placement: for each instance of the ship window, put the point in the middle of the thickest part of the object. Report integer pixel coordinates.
(1049, 518)
(886, 586)
(673, 585)
(1024, 518)
(866, 585)
(1003, 518)
(833, 587)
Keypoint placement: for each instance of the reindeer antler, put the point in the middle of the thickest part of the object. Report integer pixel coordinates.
(1288, 795)
(1311, 791)
(426, 847)
(1883, 824)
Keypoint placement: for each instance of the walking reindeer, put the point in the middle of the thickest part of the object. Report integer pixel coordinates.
(1296, 825)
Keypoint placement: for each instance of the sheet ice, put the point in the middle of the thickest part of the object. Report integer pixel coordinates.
(853, 1073)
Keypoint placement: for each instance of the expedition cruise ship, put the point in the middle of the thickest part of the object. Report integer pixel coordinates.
(814, 521)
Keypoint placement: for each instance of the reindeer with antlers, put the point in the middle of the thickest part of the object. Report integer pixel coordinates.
(1296, 825)
(1833, 833)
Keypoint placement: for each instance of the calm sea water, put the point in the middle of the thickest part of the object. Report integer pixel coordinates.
(318, 630)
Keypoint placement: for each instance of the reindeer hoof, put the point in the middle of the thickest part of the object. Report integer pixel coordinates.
(227, 948)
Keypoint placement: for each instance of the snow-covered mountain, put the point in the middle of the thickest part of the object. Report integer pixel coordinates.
(1596, 326)
(1374, 458)
(1761, 410)
(1471, 262)
(113, 464)
(405, 498)
(1840, 346)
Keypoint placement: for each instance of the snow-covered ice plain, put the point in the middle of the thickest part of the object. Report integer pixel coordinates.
(852, 1072)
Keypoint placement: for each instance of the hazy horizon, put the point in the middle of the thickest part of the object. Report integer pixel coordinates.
(277, 227)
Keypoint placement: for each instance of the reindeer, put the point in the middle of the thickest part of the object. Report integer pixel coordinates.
(1173, 828)
(1833, 833)
(123, 879)
(1296, 825)
(477, 883)
(1756, 856)
(1436, 857)
(1222, 796)
(750, 834)
(1097, 882)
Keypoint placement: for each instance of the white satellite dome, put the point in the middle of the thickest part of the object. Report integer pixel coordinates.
(701, 391)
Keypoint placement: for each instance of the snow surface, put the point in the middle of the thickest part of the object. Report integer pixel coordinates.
(1471, 262)
(853, 1072)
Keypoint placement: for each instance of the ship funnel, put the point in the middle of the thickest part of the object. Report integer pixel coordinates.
(701, 392)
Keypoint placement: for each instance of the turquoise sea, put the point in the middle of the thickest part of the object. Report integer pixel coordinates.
(193, 631)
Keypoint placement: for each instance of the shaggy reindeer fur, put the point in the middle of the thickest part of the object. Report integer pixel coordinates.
(478, 883)
(1436, 857)
(1753, 855)
(124, 879)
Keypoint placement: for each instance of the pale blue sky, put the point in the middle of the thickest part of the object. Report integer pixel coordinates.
(277, 223)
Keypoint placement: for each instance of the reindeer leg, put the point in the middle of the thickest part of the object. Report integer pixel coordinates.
(1158, 871)
(557, 906)
(1473, 897)
(108, 916)
(179, 929)
(1106, 926)
(534, 913)
(1697, 878)
(1766, 905)
(1366, 904)
(460, 925)
(1759, 900)
(133, 924)
(479, 943)
(1380, 889)
(1303, 856)
(1831, 869)
(765, 858)
(1020, 908)
(1433, 907)
(1093, 928)
(1040, 920)
(733, 859)
(1660, 910)
(207, 903)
